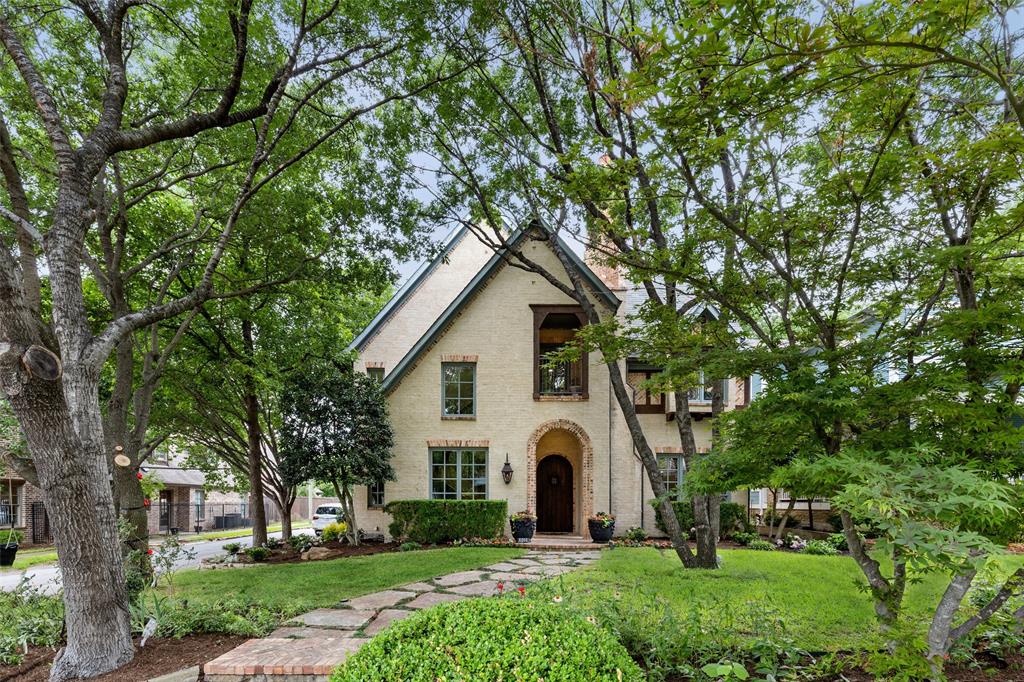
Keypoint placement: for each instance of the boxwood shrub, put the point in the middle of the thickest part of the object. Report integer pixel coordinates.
(491, 639)
(731, 516)
(433, 521)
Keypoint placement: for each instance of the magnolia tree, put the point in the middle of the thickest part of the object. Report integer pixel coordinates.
(335, 428)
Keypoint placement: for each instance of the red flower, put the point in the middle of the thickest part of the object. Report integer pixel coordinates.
(501, 586)
(522, 591)
(138, 475)
(145, 502)
(149, 552)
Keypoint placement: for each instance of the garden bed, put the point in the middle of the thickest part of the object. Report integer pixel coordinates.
(158, 657)
(333, 550)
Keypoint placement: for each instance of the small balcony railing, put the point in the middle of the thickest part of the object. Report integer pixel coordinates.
(562, 378)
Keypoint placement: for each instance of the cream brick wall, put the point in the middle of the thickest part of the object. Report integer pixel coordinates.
(497, 326)
(391, 343)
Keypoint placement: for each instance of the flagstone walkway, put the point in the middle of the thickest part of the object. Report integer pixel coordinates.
(315, 643)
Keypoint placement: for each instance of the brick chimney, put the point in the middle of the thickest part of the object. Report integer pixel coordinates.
(596, 259)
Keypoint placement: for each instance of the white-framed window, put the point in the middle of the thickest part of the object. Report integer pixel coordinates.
(672, 471)
(199, 502)
(702, 392)
(458, 474)
(375, 373)
(755, 498)
(458, 389)
(375, 495)
(12, 498)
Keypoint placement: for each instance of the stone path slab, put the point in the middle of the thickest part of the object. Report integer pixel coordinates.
(317, 642)
(379, 600)
(386, 618)
(428, 599)
(346, 619)
(459, 578)
(186, 675)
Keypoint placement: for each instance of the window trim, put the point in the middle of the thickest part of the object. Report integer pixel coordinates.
(369, 496)
(379, 371)
(648, 407)
(540, 313)
(17, 504)
(680, 467)
(445, 415)
(458, 471)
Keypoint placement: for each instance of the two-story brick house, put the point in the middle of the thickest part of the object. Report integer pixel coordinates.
(460, 354)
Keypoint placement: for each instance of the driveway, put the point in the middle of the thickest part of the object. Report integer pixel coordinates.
(46, 577)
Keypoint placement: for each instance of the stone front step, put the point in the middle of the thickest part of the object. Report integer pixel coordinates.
(282, 660)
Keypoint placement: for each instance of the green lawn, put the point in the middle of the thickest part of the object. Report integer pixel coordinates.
(27, 558)
(325, 583)
(818, 599)
(231, 534)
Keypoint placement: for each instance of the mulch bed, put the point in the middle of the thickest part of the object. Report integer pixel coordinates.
(158, 657)
(337, 551)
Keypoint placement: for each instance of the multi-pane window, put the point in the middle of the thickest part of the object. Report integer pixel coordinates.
(755, 498)
(458, 389)
(375, 495)
(198, 497)
(672, 470)
(458, 474)
(375, 373)
(11, 503)
(702, 392)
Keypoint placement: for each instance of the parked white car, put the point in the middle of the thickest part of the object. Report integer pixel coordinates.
(325, 515)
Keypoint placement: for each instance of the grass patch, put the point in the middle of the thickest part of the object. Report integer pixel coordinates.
(818, 599)
(318, 584)
(237, 533)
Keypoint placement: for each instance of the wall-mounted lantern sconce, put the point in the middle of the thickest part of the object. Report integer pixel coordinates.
(506, 471)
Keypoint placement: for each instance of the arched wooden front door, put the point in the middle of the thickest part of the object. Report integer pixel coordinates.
(554, 495)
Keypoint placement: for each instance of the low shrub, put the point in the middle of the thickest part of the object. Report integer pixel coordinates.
(258, 553)
(28, 618)
(179, 618)
(761, 545)
(731, 516)
(772, 520)
(334, 532)
(636, 534)
(274, 543)
(742, 538)
(409, 546)
(232, 548)
(430, 522)
(820, 548)
(838, 541)
(490, 639)
(300, 543)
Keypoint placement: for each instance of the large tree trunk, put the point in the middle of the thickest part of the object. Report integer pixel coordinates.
(705, 507)
(254, 433)
(73, 476)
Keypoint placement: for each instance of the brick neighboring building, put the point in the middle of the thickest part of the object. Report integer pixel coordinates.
(22, 503)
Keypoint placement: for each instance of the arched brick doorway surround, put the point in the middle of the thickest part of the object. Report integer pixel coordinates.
(585, 474)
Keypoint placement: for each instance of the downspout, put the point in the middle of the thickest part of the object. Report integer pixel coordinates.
(611, 407)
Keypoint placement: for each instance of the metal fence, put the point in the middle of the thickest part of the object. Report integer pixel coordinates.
(186, 517)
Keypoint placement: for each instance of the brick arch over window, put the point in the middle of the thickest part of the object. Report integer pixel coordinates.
(586, 475)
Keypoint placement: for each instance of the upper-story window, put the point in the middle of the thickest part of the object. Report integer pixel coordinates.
(458, 389)
(375, 373)
(645, 399)
(555, 328)
(702, 392)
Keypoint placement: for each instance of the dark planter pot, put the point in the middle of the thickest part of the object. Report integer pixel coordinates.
(600, 532)
(7, 554)
(523, 529)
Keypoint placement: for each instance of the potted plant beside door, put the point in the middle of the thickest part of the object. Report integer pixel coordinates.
(601, 526)
(524, 525)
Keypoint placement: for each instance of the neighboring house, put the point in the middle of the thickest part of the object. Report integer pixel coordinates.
(184, 503)
(460, 354)
(21, 506)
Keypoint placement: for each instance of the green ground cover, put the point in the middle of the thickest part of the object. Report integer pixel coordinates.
(325, 583)
(817, 600)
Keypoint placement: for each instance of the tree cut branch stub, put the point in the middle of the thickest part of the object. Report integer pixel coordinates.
(42, 363)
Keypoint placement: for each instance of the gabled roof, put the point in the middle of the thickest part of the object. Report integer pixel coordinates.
(439, 326)
(413, 283)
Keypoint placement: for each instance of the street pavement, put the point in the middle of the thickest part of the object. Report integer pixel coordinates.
(46, 577)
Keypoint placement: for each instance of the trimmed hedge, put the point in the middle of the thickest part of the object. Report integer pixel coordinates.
(432, 521)
(730, 517)
(480, 640)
